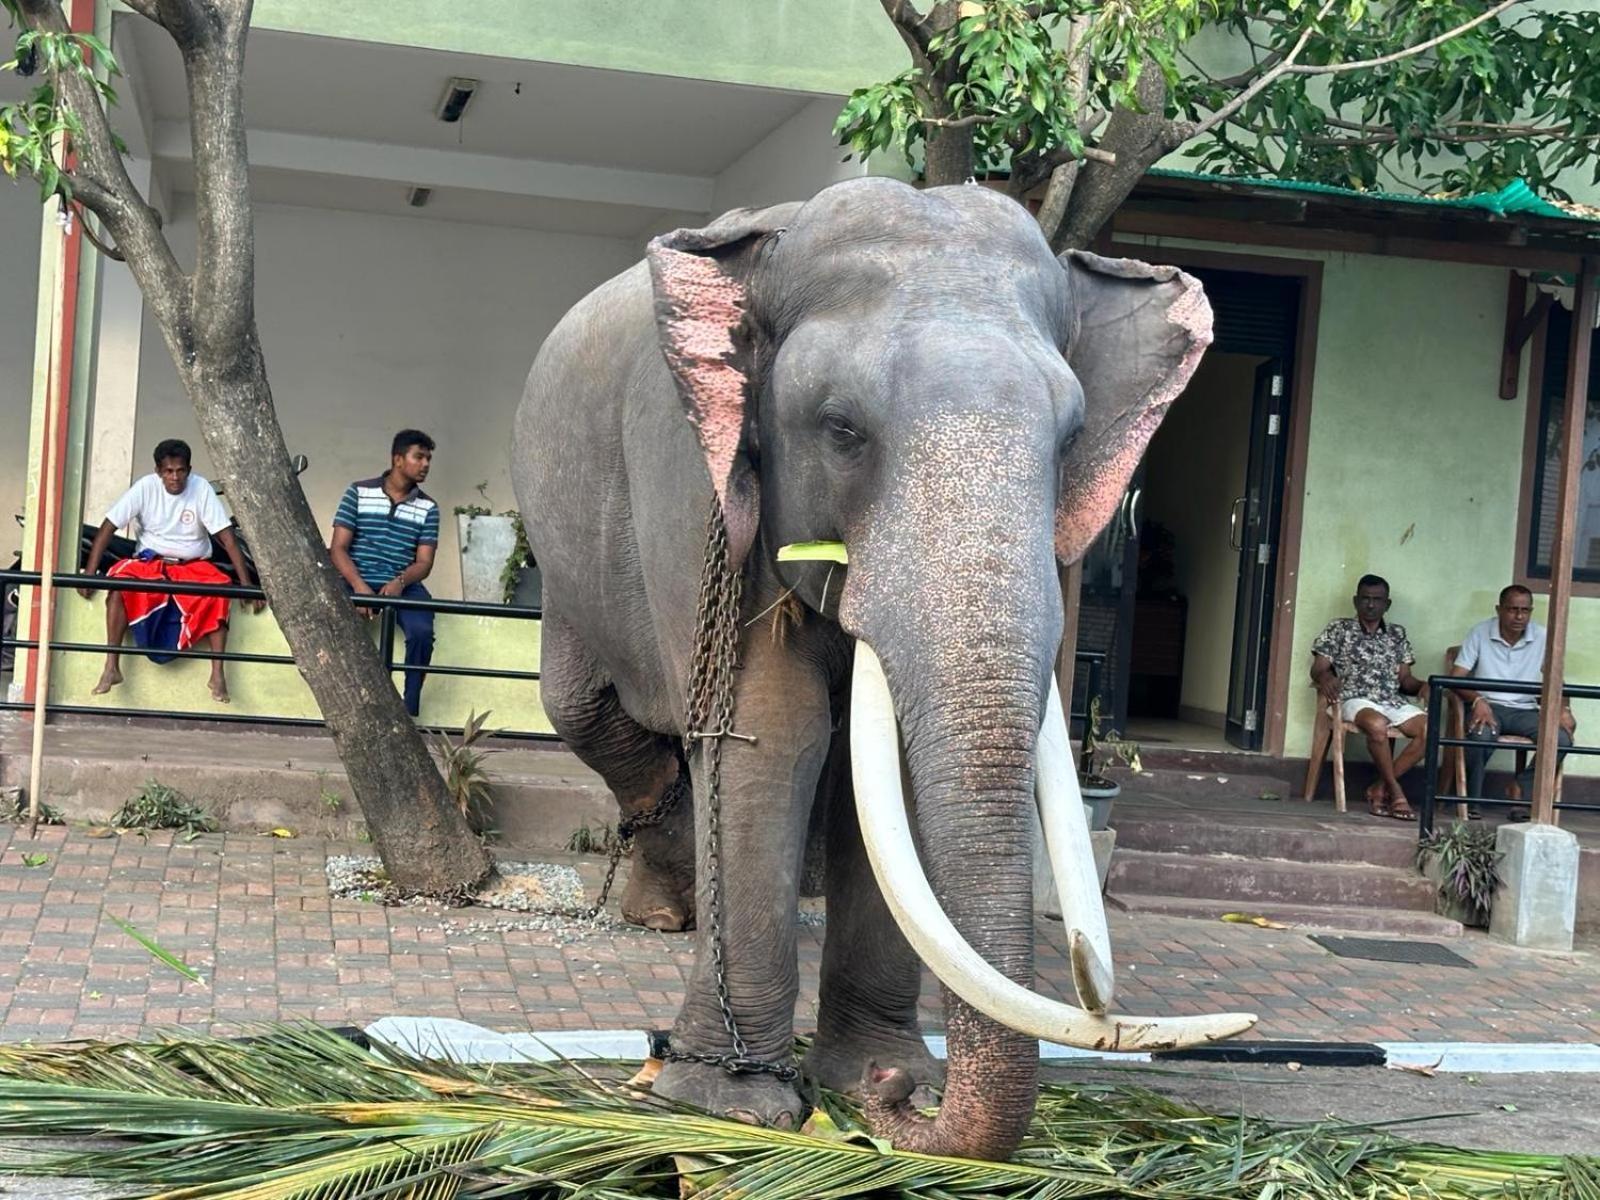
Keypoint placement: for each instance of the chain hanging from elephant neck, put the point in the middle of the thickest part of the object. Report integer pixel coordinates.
(709, 720)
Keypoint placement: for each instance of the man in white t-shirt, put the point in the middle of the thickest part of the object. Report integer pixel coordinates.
(1509, 645)
(178, 513)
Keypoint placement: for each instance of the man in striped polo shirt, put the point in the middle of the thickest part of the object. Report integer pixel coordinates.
(384, 537)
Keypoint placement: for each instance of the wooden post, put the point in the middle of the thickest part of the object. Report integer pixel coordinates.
(1071, 579)
(1563, 549)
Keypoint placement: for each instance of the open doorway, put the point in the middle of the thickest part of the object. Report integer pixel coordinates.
(1178, 591)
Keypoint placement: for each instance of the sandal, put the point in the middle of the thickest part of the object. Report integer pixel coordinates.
(1400, 810)
(1378, 802)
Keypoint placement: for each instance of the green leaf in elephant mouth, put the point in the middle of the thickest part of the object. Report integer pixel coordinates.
(813, 552)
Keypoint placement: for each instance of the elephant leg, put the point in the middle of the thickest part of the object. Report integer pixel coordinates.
(761, 812)
(640, 767)
(871, 978)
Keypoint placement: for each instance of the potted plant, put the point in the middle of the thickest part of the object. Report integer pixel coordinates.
(497, 564)
(1100, 750)
(1465, 864)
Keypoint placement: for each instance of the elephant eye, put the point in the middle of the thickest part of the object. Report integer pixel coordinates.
(840, 432)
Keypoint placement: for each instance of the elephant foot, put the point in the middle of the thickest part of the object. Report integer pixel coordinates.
(752, 1099)
(838, 1062)
(656, 899)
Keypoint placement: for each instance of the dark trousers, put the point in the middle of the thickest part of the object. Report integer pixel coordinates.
(417, 626)
(1517, 722)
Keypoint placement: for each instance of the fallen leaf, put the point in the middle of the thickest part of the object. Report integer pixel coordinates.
(94, 996)
(1252, 919)
(1428, 1069)
(100, 831)
(1506, 1107)
(281, 832)
(35, 860)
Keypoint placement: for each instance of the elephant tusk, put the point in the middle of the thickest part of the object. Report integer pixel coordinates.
(1071, 855)
(886, 833)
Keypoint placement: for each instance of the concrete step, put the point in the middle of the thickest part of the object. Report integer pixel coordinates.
(1245, 881)
(1308, 916)
(1303, 842)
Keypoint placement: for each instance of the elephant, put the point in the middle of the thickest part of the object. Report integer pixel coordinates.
(913, 374)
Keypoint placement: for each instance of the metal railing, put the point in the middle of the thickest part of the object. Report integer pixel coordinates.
(1090, 664)
(1438, 687)
(387, 607)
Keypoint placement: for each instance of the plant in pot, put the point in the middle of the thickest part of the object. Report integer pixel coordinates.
(1102, 748)
(1465, 864)
(497, 564)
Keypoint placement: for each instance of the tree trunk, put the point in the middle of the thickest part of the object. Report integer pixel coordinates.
(422, 837)
(1139, 140)
(947, 156)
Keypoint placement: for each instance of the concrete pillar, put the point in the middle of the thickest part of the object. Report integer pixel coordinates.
(112, 456)
(1536, 903)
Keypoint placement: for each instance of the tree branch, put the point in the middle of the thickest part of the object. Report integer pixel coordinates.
(911, 24)
(1410, 51)
(1269, 77)
(148, 9)
(100, 183)
(224, 276)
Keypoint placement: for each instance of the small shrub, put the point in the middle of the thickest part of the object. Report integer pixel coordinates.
(464, 775)
(157, 806)
(14, 810)
(592, 841)
(1469, 865)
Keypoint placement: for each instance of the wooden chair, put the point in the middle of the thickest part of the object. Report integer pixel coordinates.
(1330, 731)
(1455, 724)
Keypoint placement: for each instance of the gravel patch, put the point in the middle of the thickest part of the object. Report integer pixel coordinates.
(528, 887)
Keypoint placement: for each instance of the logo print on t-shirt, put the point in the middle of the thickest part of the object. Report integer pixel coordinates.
(187, 516)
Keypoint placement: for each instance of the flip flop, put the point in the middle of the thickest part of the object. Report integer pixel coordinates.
(1401, 814)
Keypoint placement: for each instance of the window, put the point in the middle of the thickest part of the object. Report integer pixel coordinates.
(1547, 459)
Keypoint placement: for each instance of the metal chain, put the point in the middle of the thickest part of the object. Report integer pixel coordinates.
(709, 721)
(630, 825)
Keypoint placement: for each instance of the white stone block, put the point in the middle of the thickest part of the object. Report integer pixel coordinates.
(1536, 903)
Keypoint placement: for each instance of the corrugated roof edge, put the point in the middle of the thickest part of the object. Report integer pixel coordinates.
(1513, 199)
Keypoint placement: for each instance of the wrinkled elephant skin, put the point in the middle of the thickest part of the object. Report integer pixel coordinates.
(914, 374)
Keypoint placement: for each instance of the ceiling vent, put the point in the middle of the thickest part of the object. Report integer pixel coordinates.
(416, 197)
(458, 94)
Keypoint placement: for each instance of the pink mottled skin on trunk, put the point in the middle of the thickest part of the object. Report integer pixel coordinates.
(706, 307)
(1088, 498)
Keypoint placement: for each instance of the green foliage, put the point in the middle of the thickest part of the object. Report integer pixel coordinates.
(520, 560)
(1513, 96)
(1101, 748)
(592, 841)
(14, 810)
(31, 128)
(301, 1112)
(465, 778)
(157, 806)
(1469, 865)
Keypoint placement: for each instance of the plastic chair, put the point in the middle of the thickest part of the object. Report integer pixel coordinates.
(1330, 732)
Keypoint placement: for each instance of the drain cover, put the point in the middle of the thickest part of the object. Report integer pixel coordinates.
(1393, 950)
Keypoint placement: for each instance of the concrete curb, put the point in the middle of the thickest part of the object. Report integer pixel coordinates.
(462, 1041)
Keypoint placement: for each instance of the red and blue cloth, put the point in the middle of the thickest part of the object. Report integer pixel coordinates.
(170, 620)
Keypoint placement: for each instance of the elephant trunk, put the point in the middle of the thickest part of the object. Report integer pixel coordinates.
(970, 754)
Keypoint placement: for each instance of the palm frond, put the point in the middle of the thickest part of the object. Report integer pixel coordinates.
(303, 1114)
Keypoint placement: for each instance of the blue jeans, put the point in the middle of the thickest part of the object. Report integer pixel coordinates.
(417, 626)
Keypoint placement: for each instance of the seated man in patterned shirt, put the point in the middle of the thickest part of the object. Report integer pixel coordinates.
(1361, 665)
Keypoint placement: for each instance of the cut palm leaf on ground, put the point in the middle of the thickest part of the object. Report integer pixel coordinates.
(159, 952)
(299, 1112)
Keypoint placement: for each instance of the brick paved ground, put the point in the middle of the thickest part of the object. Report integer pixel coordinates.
(254, 915)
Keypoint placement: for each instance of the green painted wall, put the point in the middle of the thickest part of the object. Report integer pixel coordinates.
(804, 45)
(1414, 465)
(278, 691)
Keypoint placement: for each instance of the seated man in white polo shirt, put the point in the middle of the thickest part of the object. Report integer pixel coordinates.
(1509, 645)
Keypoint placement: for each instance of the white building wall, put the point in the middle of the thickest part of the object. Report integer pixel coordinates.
(794, 162)
(372, 324)
(19, 295)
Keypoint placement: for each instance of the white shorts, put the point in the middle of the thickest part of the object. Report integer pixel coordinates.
(1395, 714)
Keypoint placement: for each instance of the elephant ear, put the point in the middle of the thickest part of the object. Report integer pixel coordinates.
(701, 282)
(1135, 335)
